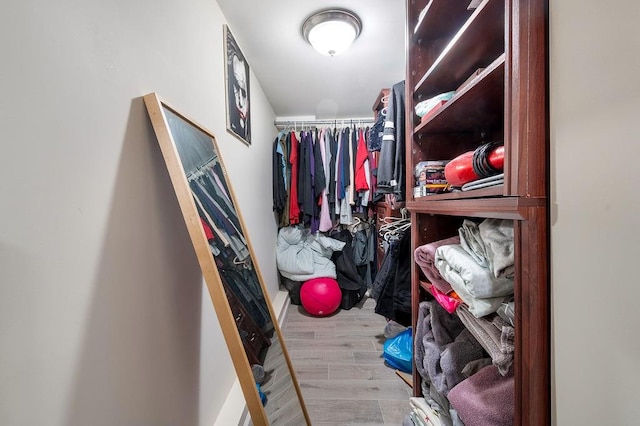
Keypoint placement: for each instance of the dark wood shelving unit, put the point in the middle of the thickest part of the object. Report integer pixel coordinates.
(506, 101)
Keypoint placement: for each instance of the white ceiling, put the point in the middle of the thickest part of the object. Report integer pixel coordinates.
(297, 80)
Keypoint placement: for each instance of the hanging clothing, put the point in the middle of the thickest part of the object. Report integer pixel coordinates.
(279, 187)
(325, 217)
(350, 279)
(326, 177)
(391, 166)
(376, 132)
(294, 208)
(392, 286)
(353, 140)
(319, 181)
(305, 183)
(333, 144)
(362, 156)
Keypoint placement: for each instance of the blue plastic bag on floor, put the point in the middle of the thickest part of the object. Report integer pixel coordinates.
(398, 351)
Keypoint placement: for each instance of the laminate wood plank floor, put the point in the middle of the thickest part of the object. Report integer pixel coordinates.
(339, 365)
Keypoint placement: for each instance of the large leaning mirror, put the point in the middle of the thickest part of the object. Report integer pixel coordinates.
(232, 276)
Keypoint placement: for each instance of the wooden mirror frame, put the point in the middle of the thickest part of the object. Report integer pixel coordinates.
(156, 109)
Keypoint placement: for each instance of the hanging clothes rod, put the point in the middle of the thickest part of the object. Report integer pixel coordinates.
(280, 124)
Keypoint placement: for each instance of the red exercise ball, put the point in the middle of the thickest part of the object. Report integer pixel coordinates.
(320, 296)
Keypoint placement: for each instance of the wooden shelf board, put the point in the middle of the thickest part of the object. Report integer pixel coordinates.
(378, 105)
(515, 208)
(481, 102)
(425, 285)
(442, 19)
(477, 43)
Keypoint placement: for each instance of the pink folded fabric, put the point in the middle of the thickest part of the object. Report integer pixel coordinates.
(448, 303)
(425, 258)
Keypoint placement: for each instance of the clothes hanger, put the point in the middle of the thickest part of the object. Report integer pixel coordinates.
(393, 225)
(353, 226)
(393, 219)
(394, 230)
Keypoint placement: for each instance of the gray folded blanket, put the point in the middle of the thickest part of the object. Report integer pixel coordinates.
(472, 243)
(445, 346)
(486, 398)
(422, 325)
(490, 244)
(497, 235)
(495, 336)
(425, 258)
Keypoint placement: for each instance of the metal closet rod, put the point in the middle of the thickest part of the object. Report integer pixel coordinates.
(335, 121)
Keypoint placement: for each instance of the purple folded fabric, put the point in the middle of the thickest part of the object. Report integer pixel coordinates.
(486, 398)
(425, 258)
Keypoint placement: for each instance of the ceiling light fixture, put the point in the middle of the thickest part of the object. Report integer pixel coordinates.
(331, 31)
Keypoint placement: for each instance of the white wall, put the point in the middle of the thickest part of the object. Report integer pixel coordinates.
(103, 316)
(595, 153)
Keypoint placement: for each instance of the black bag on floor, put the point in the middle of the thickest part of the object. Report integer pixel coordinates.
(293, 287)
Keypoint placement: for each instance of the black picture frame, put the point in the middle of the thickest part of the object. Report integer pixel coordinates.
(237, 79)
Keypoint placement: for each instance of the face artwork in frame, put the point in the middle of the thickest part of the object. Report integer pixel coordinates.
(238, 93)
(226, 257)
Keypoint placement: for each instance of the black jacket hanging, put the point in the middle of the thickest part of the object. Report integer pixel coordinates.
(392, 286)
(279, 189)
(349, 278)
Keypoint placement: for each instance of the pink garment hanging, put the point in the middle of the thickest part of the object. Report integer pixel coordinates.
(361, 158)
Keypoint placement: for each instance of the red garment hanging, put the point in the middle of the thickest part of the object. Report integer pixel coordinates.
(294, 207)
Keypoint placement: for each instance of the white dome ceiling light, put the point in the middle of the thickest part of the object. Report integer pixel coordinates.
(331, 31)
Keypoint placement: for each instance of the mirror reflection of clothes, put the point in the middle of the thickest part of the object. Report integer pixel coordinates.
(227, 242)
(222, 219)
(244, 284)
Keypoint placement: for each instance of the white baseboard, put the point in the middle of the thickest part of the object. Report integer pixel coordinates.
(235, 411)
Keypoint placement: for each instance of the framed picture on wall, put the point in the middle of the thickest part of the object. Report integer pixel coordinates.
(237, 82)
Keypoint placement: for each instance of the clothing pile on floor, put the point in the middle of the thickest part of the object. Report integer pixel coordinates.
(346, 255)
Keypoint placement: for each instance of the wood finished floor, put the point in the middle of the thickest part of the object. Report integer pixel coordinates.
(339, 365)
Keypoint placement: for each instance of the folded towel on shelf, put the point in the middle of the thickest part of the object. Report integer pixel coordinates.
(497, 235)
(447, 347)
(507, 312)
(490, 244)
(474, 366)
(422, 325)
(495, 336)
(424, 411)
(486, 398)
(472, 243)
(425, 258)
(474, 284)
(448, 302)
